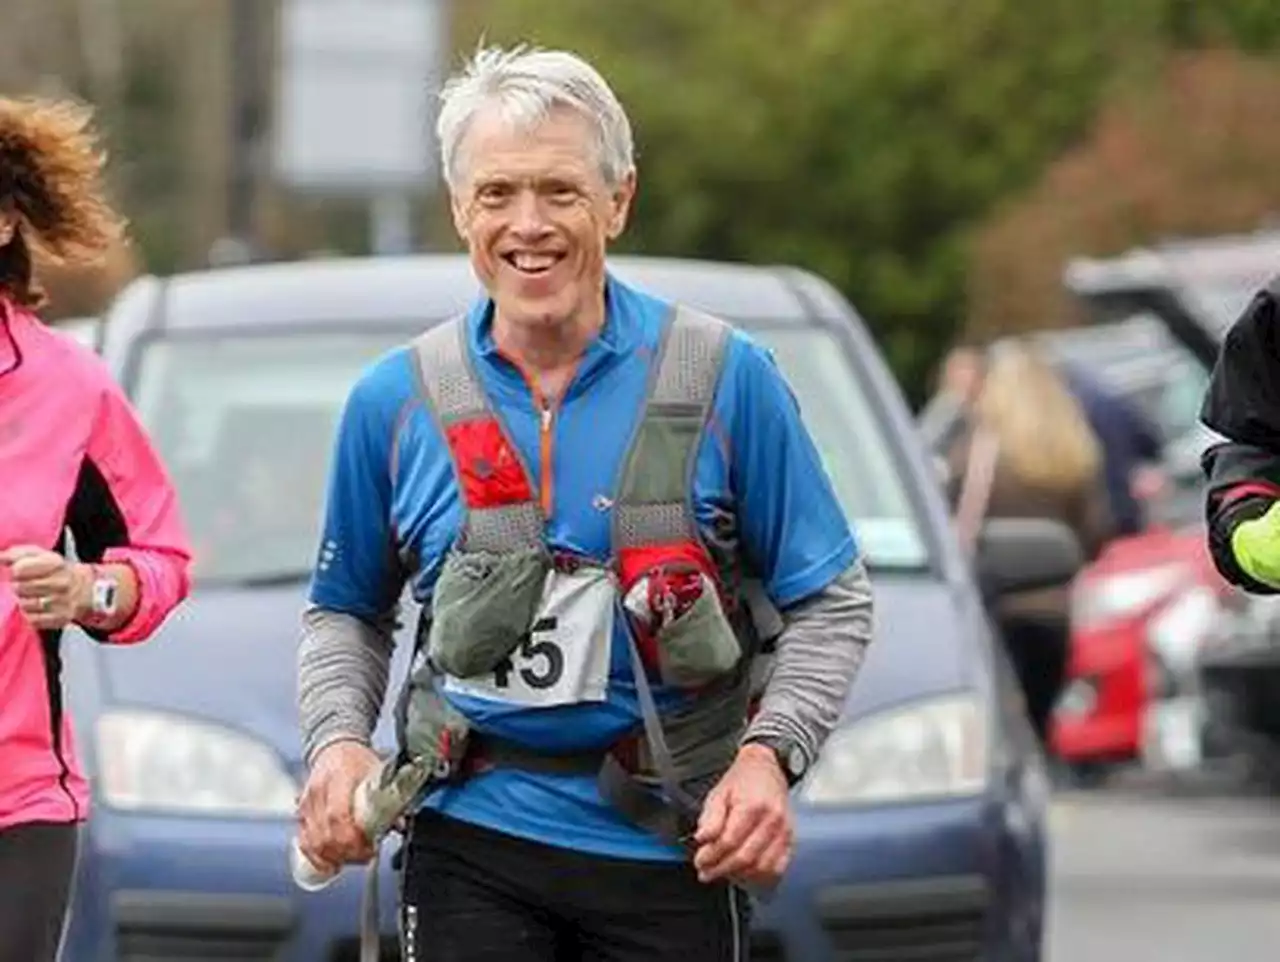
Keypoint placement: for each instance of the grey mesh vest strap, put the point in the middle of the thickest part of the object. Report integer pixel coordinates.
(370, 932)
(674, 817)
(681, 392)
(455, 395)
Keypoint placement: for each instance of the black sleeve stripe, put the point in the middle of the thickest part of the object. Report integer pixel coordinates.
(96, 522)
(1222, 525)
(51, 650)
(94, 516)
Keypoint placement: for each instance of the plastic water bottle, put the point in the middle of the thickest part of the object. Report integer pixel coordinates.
(307, 876)
(311, 878)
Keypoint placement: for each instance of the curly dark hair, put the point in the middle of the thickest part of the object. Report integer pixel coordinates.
(51, 177)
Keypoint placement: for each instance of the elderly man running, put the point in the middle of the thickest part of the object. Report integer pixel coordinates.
(615, 522)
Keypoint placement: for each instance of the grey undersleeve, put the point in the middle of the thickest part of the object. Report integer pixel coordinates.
(819, 653)
(343, 664)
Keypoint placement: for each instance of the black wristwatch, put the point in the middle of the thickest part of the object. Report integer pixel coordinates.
(791, 757)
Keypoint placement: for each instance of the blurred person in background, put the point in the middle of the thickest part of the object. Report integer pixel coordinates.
(959, 379)
(1131, 449)
(1131, 445)
(1242, 404)
(73, 458)
(1028, 451)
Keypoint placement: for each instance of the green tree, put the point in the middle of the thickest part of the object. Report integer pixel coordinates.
(1250, 25)
(860, 138)
(1191, 154)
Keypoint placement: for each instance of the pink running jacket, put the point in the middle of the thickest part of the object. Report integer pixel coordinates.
(73, 456)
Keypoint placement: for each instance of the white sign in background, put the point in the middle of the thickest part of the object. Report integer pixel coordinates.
(356, 95)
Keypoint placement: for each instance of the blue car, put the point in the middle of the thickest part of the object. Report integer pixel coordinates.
(921, 830)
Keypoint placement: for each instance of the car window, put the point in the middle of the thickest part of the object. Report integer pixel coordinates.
(245, 424)
(853, 442)
(1181, 397)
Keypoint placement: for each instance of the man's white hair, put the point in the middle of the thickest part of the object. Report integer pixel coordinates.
(525, 84)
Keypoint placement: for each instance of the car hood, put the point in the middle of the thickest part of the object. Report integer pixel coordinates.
(922, 645)
(231, 657)
(227, 656)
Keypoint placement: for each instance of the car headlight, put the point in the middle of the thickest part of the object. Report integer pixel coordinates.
(939, 748)
(1182, 627)
(1100, 599)
(154, 761)
(1079, 699)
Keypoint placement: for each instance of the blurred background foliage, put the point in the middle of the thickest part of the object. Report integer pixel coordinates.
(936, 159)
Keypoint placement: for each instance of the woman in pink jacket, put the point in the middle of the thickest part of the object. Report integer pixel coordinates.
(73, 458)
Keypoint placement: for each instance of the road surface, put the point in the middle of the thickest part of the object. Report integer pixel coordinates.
(1148, 877)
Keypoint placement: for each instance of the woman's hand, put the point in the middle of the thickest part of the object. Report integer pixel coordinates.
(52, 591)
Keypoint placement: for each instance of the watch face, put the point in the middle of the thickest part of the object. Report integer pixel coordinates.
(104, 597)
(795, 761)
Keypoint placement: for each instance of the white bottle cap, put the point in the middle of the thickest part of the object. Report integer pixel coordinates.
(305, 875)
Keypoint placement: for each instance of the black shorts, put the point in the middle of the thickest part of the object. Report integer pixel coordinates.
(37, 864)
(473, 895)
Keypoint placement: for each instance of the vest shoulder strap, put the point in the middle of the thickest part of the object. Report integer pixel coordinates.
(654, 501)
(497, 517)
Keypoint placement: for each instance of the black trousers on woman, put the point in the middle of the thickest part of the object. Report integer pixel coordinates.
(37, 865)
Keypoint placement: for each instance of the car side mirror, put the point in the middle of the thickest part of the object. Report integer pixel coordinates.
(1026, 554)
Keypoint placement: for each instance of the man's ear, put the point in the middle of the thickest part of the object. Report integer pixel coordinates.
(620, 205)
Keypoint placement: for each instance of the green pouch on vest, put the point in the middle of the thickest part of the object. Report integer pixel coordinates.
(700, 645)
(483, 605)
(396, 791)
(435, 733)
(435, 744)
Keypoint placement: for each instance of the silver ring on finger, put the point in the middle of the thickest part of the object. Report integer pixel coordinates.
(44, 602)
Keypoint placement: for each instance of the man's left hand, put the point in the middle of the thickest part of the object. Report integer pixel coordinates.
(745, 832)
(52, 591)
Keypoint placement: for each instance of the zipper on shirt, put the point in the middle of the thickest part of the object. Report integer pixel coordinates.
(545, 438)
(546, 411)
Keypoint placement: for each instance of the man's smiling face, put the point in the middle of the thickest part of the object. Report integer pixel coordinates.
(537, 215)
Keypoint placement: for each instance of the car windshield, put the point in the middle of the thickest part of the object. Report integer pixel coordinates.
(245, 424)
(853, 441)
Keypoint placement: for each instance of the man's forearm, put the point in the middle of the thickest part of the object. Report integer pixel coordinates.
(818, 656)
(343, 664)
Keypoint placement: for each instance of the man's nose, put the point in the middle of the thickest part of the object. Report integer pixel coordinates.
(529, 218)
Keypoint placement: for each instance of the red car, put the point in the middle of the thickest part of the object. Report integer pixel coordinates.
(1141, 612)
(1152, 602)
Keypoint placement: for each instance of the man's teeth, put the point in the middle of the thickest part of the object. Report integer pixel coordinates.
(533, 262)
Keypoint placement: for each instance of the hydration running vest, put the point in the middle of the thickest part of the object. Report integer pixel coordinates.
(511, 619)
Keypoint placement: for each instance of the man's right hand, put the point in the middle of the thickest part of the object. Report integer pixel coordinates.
(328, 834)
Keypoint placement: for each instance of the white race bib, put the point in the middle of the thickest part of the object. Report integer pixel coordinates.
(564, 660)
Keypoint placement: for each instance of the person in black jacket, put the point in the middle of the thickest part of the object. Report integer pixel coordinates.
(1242, 404)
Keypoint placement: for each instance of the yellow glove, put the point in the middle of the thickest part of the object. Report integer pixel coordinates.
(1256, 545)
